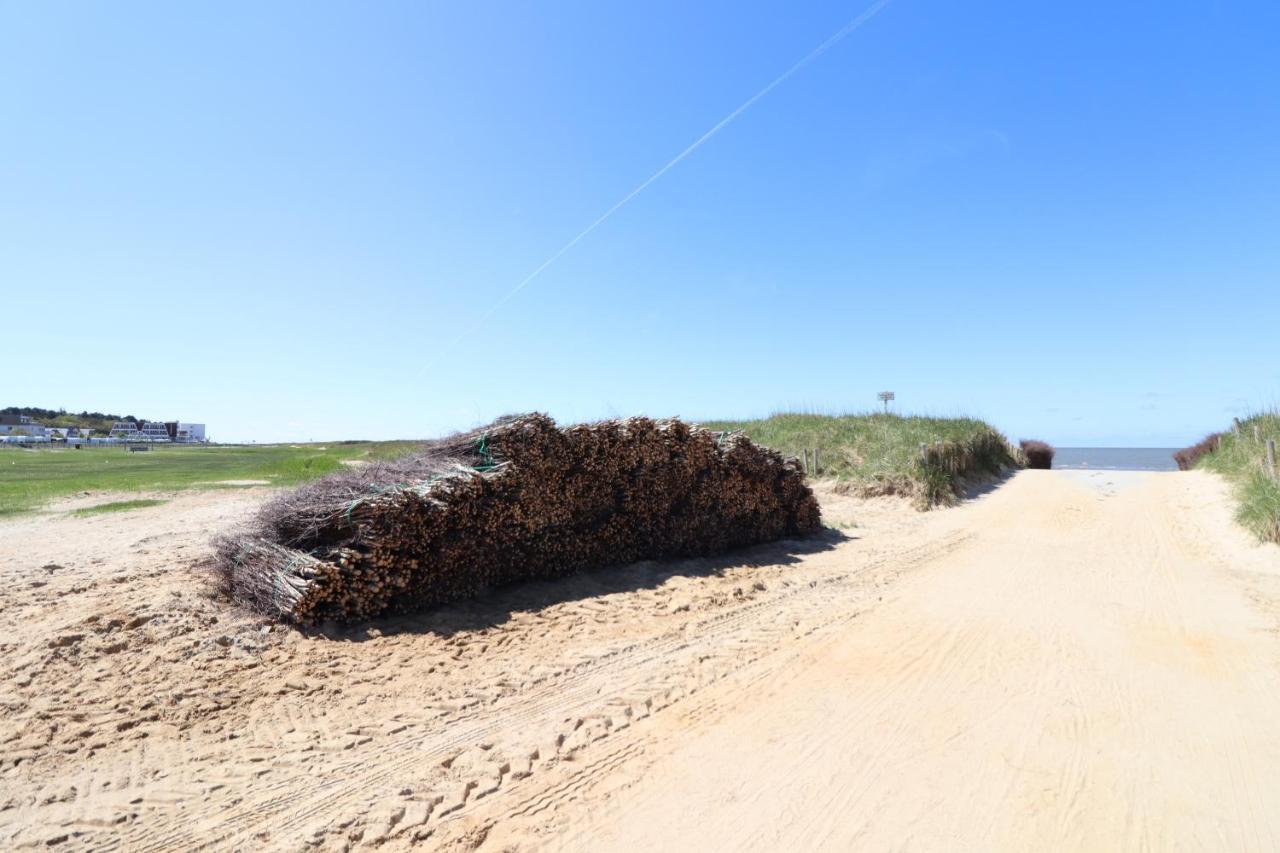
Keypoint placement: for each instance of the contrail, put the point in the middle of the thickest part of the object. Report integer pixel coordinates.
(831, 42)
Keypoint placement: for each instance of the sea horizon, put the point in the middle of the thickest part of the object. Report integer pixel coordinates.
(1116, 458)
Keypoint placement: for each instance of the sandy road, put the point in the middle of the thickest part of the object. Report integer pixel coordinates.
(1072, 661)
(140, 713)
(1096, 669)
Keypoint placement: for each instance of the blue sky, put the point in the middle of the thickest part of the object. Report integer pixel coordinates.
(278, 218)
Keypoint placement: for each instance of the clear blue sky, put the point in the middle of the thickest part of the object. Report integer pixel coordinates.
(276, 218)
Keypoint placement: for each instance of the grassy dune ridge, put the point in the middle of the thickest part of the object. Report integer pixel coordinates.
(1240, 458)
(876, 453)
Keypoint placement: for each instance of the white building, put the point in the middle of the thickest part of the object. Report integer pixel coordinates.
(181, 432)
(153, 431)
(20, 425)
(124, 429)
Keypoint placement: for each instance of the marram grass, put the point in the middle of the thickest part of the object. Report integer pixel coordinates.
(876, 454)
(1241, 459)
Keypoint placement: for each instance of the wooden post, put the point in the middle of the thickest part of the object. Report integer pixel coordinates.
(1257, 433)
(815, 462)
(1235, 426)
(924, 451)
(806, 460)
(1271, 456)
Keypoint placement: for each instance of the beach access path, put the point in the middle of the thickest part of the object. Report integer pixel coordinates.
(1072, 660)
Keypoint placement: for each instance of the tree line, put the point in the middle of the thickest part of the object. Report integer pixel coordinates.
(40, 415)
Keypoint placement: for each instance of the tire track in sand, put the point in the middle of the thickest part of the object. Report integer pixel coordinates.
(288, 808)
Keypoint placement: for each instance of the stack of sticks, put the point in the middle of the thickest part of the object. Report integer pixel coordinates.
(517, 500)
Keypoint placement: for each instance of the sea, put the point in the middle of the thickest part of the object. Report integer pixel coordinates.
(1116, 458)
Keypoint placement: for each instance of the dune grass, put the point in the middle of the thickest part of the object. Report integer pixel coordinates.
(1241, 459)
(875, 453)
(118, 506)
(31, 478)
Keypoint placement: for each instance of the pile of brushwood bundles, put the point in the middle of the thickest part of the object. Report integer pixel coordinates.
(519, 499)
(1038, 453)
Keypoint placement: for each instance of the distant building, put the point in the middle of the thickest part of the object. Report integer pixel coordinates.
(153, 431)
(123, 429)
(20, 428)
(20, 425)
(175, 431)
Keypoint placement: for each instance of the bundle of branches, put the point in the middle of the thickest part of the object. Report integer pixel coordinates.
(1187, 457)
(519, 499)
(1038, 453)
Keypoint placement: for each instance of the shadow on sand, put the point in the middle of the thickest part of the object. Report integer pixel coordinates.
(981, 488)
(497, 606)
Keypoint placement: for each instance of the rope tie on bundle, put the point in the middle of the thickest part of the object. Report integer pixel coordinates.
(350, 507)
(487, 462)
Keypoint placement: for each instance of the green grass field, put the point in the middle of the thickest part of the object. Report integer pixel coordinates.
(1241, 460)
(31, 478)
(880, 453)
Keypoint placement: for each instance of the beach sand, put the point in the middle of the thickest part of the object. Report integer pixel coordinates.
(1073, 660)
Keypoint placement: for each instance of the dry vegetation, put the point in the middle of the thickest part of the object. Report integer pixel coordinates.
(1188, 457)
(1037, 453)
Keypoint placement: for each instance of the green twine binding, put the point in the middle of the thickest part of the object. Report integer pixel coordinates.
(487, 462)
(350, 507)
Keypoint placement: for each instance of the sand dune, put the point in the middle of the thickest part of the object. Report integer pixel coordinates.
(1076, 660)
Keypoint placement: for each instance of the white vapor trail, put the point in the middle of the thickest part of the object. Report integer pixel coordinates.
(818, 51)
